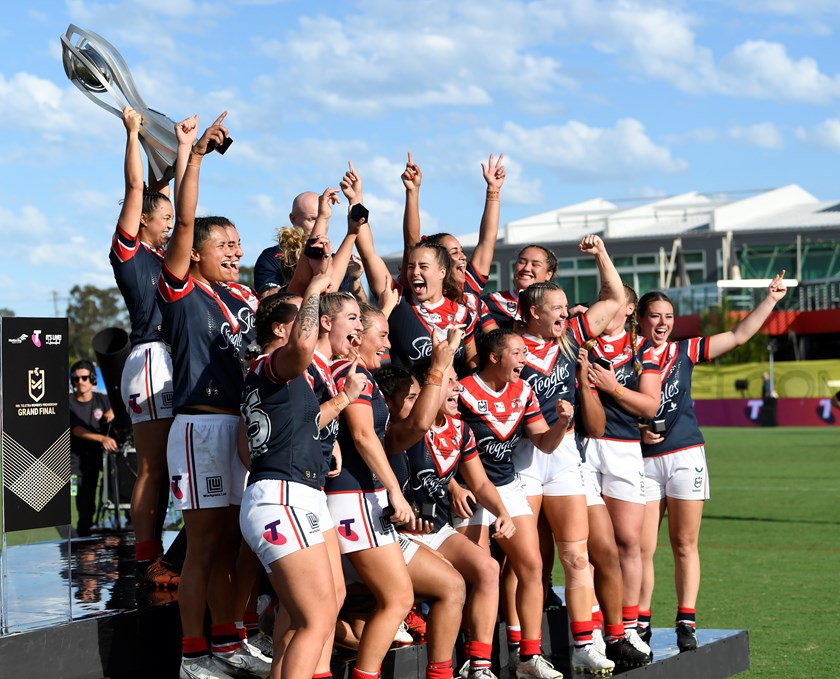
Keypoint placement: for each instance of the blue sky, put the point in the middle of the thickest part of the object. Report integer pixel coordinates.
(586, 98)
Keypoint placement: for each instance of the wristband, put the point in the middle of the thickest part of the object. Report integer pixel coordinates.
(618, 392)
(342, 406)
(492, 194)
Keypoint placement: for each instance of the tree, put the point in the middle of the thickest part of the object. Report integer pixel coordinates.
(89, 310)
(722, 319)
(246, 276)
(6, 312)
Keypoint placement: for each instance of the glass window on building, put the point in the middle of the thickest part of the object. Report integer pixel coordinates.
(493, 282)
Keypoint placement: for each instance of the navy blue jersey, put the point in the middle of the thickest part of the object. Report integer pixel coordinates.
(410, 329)
(283, 422)
(503, 307)
(355, 474)
(474, 283)
(324, 387)
(551, 372)
(136, 270)
(498, 421)
(676, 365)
(243, 302)
(205, 339)
(268, 272)
(433, 461)
(621, 425)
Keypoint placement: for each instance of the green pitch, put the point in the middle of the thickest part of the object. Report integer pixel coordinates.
(769, 548)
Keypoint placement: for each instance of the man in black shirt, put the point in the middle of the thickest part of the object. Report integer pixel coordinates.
(90, 420)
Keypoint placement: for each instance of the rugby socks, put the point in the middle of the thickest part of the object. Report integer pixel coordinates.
(597, 618)
(252, 623)
(479, 654)
(194, 647)
(613, 633)
(514, 636)
(323, 675)
(224, 638)
(361, 674)
(528, 648)
(630, 616)
(439, 670)
(644, 620)
(581, 632)
(686, 615)
(148, 550)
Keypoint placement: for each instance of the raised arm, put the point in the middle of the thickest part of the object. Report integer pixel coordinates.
(407, 432)
(751, 324)
(599, 315)
(186, 132)
(411, 177)
(180, 244)
(494, 175)
(132, 207)
(294, 358)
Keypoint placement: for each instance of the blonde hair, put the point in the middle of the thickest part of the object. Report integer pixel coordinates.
(291, 240)
(534, 296)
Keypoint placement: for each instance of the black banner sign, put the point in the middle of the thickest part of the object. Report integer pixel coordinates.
(35, 455)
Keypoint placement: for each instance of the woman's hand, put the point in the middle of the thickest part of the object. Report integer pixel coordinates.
(355, 382)
(411, 176)
(505, 528)
(217, 133)
(494, 173)
(458, 500)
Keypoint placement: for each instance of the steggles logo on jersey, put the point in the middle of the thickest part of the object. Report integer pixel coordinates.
(497, 450)
(428, 480)
(421, 349)
(272, 535)
(345, 531)
(175, 485)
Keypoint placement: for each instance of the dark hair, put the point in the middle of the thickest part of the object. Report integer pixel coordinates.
(492, 343)
(649, 298)
(451, 288)
(272, 310)
(392, 379)
(551, 258)
(85, 364)
(152, 199)
(436, 238)
(204, 225)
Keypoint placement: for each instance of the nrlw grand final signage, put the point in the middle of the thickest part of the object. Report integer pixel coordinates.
(35, 454)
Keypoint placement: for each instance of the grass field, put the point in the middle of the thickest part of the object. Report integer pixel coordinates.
(770, 549)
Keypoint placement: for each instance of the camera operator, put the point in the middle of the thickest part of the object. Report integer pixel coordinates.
(90, 425)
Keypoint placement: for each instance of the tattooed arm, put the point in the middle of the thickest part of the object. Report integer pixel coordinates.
(292, 359)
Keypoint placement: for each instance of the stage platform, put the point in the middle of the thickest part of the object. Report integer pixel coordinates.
(118, 631)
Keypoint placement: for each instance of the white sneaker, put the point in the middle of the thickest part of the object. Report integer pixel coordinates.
(204, 667)
(403, 636)
(587, 660)
(537, 666)
(254, 650)
(262, 642)
(483, 673)
(636, 641)
(242, 664)
(598, 641)
(464, 672)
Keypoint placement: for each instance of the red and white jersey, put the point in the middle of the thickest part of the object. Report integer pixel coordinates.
(498, 421)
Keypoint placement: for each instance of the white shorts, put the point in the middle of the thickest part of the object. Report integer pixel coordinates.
(205, 471)
(358, 520)
(433, 540)
(408, 546)
(279, 518)
(516, 503)
(556, 474)
(146, 384)
(682, 475)
(616, 469)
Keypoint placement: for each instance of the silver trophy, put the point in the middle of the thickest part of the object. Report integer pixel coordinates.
(97, 69)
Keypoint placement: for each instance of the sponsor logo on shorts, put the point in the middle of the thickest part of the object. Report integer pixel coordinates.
(214, 485)
(132, 403)
(698, 480)
(314, 523)
(167, 398)
(273, 535)
(346, 531)
(386, 524)
(175, 485)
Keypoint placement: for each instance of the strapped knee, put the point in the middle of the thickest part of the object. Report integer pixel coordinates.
(575, 560)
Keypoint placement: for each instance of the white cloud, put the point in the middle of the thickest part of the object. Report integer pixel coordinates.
(763, 70)
(702, 135)
(763, 135)
(583, 153)
(28, 223)
(825, 135)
